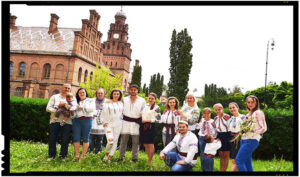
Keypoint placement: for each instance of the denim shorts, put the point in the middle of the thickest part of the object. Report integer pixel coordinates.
(81, 128)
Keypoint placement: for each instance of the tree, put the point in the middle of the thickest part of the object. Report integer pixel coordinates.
(180, 64)
(145, 90)
(102, 79)
(137, 76)
(156, 84)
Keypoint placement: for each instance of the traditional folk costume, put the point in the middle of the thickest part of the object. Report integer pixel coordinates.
(207, 162)
(112, 115)
(250, 141)
(170, 120)
(132, 116)
(147, 130)
(223, 132)
(187, 151)
(193, 114)
(234, 125)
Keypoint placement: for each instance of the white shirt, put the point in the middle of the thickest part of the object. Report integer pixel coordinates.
(222, 123)
(53, 102)
(89, 107)
(234, 123)
(211, 148)
(170, 117)
(153, 115)
(207, 127)
(186, 144)
(192, 113)
(98, 129)
(133, 111)
(112, 114)
(260, 126)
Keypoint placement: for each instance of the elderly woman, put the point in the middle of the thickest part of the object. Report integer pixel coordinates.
(170, 118)
(190, 111)
(234, 124)
(250, 140)
(150, 115)
(82, 123)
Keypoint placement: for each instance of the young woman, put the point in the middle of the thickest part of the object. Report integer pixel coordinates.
(234, 127)
(221, 122)
(82, 123)
(170, 118)
(150, 115)
(250, 140)
(190, 111)
(112, 116)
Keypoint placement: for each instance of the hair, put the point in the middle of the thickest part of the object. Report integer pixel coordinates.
(116, 90)
(218, 104)
(235, 104)
(100, 89)
(191, 94)
(176, 101)
(134, 85)
(206, 109)
(155, 96)
(77, 94)
(257, 103)
(67, 84)
(207, 138)
(69, 95)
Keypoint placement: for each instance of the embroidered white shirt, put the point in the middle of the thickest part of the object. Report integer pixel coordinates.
(234, 123)
(207, 127)
(193, 114)
(112, 114)
(153, 115)
(170, 117)
(211, 148)
(222, 123)
(88, 108)
(259, 128)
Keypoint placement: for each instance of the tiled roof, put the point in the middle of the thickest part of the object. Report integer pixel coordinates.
(38, 39)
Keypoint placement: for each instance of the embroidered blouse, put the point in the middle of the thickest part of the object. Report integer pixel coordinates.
(222, 123)
(170, 117)
(207, 127)
(88, 108)
(193, 114)
(112, 113)
(260, 126)
(234, 123)
(153, 115)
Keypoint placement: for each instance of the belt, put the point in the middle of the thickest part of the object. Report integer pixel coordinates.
(129, 119)
(209, 155)
(185, 154)
(83, 117)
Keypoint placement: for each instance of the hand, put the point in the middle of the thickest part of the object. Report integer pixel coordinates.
(218, 139)
(79, 107)
(64, 112)
(181, 162)
(105, 125)
(61, 105)
(72, 112)
(162, 156)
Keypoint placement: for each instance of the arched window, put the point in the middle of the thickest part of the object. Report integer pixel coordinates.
(79, 74)
(108, 47)
(91, 76)
(46, 71)
(111, 63)
(34, 70)
(106, 63)
(116, 64)
(18, 91)
(59, 73)
(11, 68)
(85, 76)
(22, 69)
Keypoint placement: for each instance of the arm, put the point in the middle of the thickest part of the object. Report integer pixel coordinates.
(89, 106)
(105, 114)
(50, 105)
(261, 121)
(193, 149)
(157, 116)
(170, 146)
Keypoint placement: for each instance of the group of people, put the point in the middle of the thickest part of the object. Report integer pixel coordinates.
(92, 118)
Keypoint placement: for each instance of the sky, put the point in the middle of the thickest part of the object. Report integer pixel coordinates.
(229, 42)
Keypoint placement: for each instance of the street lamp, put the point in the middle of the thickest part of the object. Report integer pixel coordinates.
(272, 41)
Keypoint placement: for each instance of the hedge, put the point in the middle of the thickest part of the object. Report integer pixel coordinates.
(30, 121)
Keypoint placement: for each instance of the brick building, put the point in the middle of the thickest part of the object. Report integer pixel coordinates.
(43, 58)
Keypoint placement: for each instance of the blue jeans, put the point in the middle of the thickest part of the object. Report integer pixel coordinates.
(244, 156)
(81, 128)
(99, 140)
(172, 158)
(207, 163)
(55, 129)
(202, 145)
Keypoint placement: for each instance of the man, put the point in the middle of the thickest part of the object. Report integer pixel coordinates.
(187, 146)
(97, 131)
(55, 127)
(132, 116)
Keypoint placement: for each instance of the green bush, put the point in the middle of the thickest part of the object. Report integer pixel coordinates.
(30, 121)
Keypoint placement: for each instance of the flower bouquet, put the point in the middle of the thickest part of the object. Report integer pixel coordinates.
(246, 126)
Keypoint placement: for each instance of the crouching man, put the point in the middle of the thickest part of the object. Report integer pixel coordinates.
(186, 143)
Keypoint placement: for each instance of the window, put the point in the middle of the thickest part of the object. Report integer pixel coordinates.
(79, 74)
(22, 69)
(59, 73)
(18, 92)
(11, 68)
(46, 71)
(116, 64)
(34, 70)
(111, 63)
(85, 76)
(91, 76)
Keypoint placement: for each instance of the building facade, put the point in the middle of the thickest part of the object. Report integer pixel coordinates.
(43, 58)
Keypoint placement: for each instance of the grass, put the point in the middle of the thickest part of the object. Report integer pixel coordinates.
(28, 156)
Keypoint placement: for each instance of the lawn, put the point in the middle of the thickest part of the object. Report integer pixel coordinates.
(32, 157)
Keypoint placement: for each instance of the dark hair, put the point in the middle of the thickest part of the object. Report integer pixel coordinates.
(133, 85)
(155, 96)
(77, 94)
(176, 101)
(257, 103)
(116, 90)
(207, 138)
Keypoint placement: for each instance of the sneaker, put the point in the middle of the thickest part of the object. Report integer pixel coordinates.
(120, 160)
(105, 158)
(50, 158)
(63, 159)
(134, 161)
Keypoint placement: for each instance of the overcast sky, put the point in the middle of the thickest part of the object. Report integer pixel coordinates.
(229, 42)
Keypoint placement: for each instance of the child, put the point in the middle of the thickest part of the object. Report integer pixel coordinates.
(210, 151)
(67, 110)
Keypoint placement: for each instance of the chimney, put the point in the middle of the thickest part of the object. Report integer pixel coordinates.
(137, 62)
(53, 24)
(12, 22)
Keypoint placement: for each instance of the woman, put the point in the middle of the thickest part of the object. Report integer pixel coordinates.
(250, 140)
(234, 127)
(82, 123)
(221, 122)
(190, 111)
(170, 118)
(150, 114)
(112, 116)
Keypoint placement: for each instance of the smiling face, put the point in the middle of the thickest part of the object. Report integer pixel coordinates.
(251, 103)
(190, 100)
(116, 95)
(219, 110)
(233, 109)
(206, 114)
(172, 103)
(100, 94)
(82, 94)
(183, 128)
(151, 100)
(66, 88)
(133, 91)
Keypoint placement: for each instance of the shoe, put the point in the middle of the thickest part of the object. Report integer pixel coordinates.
(134, 161)
(108, 161)
(105, 158)
(75, 159)
(63, 159)
(120, 160)
(50, 158)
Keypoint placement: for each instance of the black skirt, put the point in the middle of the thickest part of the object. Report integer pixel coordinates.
(147, 133)
(225, 138)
